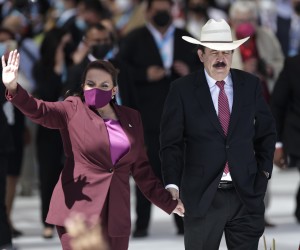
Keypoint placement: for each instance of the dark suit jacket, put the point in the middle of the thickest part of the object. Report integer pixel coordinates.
(283, 33)
(285, 104)
(190, 129)
(89, 178)
(139, 50)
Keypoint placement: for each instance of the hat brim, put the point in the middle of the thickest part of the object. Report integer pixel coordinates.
(217, 45)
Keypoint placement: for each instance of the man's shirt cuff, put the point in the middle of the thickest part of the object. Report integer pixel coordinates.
(172, 186)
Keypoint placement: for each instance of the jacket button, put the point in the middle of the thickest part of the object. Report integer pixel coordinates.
(111, 170)
(227, 146)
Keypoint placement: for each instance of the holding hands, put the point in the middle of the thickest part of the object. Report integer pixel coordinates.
(175, 196)
(179, 209)
(10, 71)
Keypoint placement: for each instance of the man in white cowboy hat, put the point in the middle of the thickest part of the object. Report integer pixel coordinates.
(217, 143)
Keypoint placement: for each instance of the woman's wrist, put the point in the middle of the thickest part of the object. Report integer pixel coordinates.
(12, 89)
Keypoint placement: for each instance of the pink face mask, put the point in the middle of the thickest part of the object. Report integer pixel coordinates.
(97, 98)
(244, 30)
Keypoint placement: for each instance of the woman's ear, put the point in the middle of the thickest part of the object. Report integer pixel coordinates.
(115, 90)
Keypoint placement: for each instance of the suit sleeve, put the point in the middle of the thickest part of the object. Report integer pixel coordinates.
(265, 133)
(147, 181)
(48, 114)
(172, 138)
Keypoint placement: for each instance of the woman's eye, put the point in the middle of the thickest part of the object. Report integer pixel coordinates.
(104, 85)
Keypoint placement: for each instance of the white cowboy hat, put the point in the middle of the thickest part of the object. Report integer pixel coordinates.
(216, 35)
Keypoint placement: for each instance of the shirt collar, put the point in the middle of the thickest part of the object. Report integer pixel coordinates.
(212, 82)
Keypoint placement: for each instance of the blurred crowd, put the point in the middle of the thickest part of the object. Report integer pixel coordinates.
(58, 38)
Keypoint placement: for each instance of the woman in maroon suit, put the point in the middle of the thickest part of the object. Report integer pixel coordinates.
(103, 145)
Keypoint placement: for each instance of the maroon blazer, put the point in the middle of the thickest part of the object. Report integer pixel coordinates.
(89, 178)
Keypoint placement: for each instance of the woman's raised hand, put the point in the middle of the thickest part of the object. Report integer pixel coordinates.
(10, 71)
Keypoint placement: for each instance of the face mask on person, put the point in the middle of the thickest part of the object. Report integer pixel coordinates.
(162, 18)
(244, 30)
(297, 8)
(100, 50)
(97, 98)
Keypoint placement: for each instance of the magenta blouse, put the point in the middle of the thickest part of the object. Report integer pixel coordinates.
(119, 143)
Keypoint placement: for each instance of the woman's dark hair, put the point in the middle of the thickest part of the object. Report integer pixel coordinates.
(101, 65)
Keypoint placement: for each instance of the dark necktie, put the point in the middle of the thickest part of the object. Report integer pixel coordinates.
(223, 113)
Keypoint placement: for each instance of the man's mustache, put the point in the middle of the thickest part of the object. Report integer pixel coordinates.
(220, 64)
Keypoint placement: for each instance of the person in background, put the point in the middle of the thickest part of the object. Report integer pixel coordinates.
(261, 54)
(217, 143)
(267, 14)
(98, 43)
(50, 74)
(127, 15)
(27, 23)
(103, 145)
(285, 105)
(68, 19)
(288, 27)
(82, 14)
(157, 55)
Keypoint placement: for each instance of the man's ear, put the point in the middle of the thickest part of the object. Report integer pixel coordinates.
(200, 54)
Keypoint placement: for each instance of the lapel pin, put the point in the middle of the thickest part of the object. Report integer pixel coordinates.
(130, 126)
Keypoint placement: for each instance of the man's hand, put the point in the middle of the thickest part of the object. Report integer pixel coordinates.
(179, 209)
(174, 192)
(181, 68)
(155, 73)
(280, 158)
